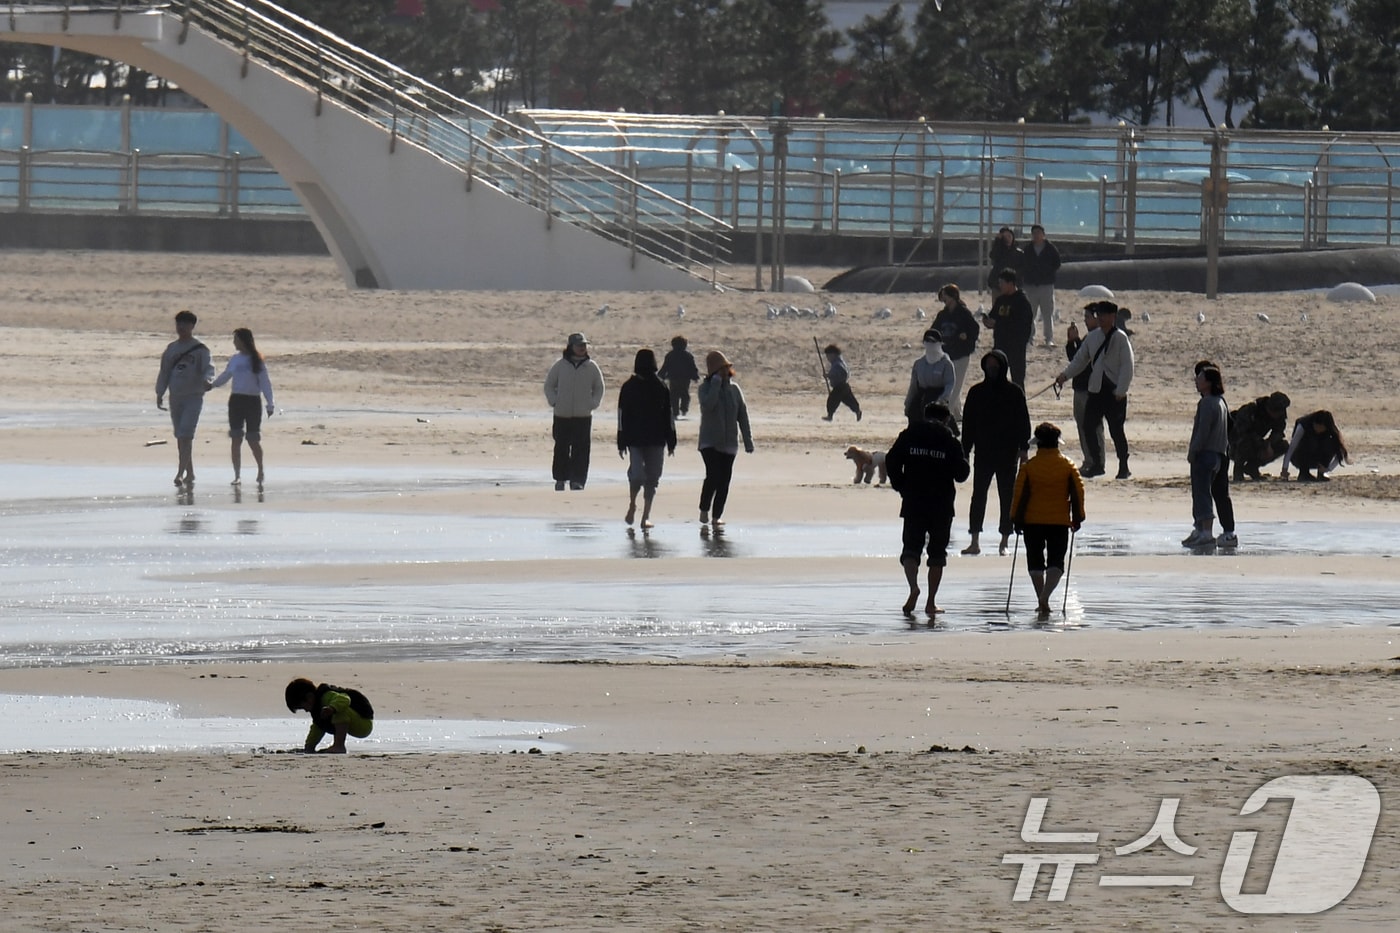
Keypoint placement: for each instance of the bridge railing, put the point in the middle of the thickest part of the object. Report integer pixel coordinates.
(483, 146)
(486, 148)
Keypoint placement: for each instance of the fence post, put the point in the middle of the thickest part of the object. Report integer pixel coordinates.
(28, 139)
(126, 122)
(235, 187)
(938, 213)
(836, 202)
(1103, 207)
(24, 178)
(133, 188)
(1130, 199)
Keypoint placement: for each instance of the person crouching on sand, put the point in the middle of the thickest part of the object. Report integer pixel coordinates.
(335, 711)
(1047, 503)
(925, 464)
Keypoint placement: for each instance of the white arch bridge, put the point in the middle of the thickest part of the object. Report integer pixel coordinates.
(411, 187)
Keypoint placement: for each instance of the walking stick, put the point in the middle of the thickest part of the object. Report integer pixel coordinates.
(821, 363)
(1069, 565)
(1053, 385)
(1015, 548)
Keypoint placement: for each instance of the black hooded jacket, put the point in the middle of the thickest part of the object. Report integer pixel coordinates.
(995, 417)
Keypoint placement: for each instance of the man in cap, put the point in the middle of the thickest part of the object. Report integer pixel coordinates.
(932, 378)
(1080, 384)
(1257, 432)
(1107, 355)
(573, 388)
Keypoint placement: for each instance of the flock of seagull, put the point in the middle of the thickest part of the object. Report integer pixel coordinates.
(881, 314)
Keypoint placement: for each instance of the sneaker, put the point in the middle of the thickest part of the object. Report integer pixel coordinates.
(1198, 538)
(1092, 472)
(576, 486)
(559, 486)
(1123, 473)
(857, 416)
(1228, 539)
(704, 517)
(826, 417)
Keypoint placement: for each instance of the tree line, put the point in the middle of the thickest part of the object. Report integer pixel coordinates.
(1266, 64)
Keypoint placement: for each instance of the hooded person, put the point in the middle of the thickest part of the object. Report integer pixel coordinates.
(931, 379)
(1258, 434)
(996, 432)
(678, 371)
(574, 388)
(646, 432)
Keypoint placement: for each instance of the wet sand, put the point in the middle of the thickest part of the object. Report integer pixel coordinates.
(727, 790)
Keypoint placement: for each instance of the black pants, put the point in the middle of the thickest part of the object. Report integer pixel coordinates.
(719, 469)
(1046, 546)
(1105, 406)
(572, 441)
(1016, 363)
(680, 397)
(841, 395)
(1220, 495)
(1003, 466)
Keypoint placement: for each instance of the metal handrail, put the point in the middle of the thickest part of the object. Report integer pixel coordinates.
(481, 145)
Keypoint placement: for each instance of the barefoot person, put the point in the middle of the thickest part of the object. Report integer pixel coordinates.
(996, 434)
(249, 374)
(723, 417)
(646, 432)
(185, 370)
(925, 464)
(1048, 503)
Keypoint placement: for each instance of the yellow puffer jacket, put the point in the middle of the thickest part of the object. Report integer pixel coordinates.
(1048, 491)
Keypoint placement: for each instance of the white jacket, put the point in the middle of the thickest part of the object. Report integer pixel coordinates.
(574, 388)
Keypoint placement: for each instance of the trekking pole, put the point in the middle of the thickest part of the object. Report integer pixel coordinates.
(1015, 548)
(821, 363)
(1036, 395)
(1069, 565)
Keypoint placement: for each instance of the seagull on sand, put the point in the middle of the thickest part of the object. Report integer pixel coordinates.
(1200, 317)
(601, 311)
(680, 311)
(1262, 316)
(1145, 317)
(1303, 317)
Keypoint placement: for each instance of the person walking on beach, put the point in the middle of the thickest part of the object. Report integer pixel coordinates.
(996, 434)
(1080, 385)
(1316, 448)
(573, 388)
(925, 465)
(723, 418)
(185, 370)
(1004, 254)
(335, 711)
(1220, 486)
(1107, 355)
(838, 376)
(249, 374)
(1257, 434)
(960, 331)
(931, 379)
(1049, 503)
(678, 371)
(1040, 261)
(646, 432)
(1207, 454)
(1013, 324)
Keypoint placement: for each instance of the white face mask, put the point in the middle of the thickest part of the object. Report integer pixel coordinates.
(933, 351)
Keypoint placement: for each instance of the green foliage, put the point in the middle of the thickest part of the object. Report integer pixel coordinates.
(1249, 63)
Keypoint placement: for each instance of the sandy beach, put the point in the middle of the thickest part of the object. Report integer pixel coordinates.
(874, 780)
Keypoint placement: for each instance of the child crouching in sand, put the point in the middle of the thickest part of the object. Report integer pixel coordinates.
(337, 711)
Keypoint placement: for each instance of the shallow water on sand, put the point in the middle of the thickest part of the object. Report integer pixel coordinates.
(96, 566)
